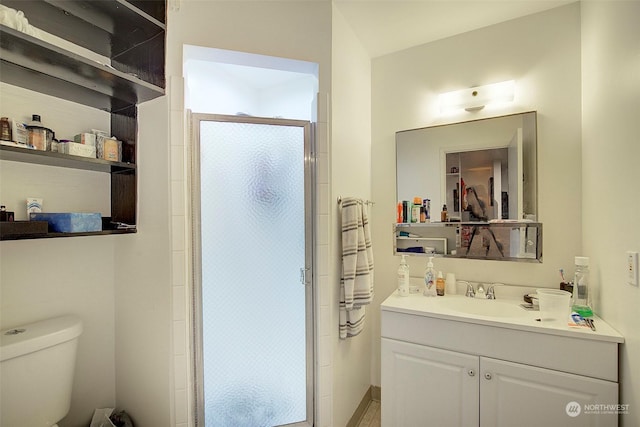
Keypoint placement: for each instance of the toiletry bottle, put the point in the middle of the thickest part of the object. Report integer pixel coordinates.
(415, 209)
(426, 203)
(440, 284)
(443, 214)
(399, 213)
(403, 277)
(5, 129)
(581, 294)
(430, 279)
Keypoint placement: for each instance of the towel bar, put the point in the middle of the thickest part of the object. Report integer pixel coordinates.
(368, 202)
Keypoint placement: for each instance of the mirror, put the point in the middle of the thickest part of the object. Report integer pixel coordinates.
(484, 172)
(479, 150)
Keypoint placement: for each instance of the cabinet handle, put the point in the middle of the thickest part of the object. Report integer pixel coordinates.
(487, 375)
(471, 372)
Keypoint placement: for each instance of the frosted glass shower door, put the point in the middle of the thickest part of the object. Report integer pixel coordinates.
(254, 218)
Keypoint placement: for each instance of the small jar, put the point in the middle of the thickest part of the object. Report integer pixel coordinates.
(38, 136)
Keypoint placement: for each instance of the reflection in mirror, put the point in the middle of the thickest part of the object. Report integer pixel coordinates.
(483, 173)
(481, 170)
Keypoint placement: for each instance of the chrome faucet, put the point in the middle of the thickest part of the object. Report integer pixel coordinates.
(480, 290)
(491, 293)
(471, 292)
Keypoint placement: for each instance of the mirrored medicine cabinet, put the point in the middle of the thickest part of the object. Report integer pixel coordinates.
(485, 173)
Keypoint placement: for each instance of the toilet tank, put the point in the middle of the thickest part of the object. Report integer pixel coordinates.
(37, 362)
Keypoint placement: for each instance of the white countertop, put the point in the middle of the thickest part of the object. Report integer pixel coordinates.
(439, 307)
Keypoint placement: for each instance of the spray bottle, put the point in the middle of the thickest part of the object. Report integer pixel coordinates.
(581, 294)
(430, 279)
(403, 277)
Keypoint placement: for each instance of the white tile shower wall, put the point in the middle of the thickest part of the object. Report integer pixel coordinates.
(180, 242)
(324, 364)
(182, 381)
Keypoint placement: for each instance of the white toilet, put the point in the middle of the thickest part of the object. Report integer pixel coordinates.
(37, 362)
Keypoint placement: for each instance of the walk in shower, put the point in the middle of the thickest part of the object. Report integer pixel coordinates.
(253, 286)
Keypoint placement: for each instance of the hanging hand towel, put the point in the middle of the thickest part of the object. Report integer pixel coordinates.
(356, 284)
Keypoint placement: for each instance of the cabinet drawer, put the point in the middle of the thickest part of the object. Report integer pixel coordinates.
(599, 359)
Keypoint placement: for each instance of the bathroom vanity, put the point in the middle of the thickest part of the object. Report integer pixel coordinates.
(459, 361)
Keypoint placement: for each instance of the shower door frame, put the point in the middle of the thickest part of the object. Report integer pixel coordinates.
(307, 275)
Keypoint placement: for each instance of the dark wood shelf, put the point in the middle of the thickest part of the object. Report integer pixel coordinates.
(56, 235)
(107, 27)
(48, 158)
(130, 33)
(37, 65)
(131, 36)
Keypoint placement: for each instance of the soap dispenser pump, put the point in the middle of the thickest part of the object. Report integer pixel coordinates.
(430, 279)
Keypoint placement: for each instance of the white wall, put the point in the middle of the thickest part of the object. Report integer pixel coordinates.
(610, 153)
(542, 53)
(287, 29)
(350, 176)
(35, 287)
(221, 88)
(143, 282)
(213, 88)
(289, 99)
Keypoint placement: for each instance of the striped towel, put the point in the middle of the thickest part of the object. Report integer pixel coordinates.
(356, 283)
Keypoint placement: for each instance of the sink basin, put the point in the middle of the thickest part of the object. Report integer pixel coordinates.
(483, 307)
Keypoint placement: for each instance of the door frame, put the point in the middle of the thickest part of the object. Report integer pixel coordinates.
(307, 275)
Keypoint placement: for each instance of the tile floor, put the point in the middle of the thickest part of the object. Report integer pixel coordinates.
(371, 417)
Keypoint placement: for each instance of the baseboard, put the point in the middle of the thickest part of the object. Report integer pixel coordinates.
(373, 393)
(376, 393)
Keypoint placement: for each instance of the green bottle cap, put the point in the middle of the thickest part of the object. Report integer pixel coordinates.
(583, 310)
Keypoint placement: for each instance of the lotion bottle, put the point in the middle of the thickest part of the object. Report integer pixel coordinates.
(403, 277)
(430, 279)
(415, 209)
(440, 284)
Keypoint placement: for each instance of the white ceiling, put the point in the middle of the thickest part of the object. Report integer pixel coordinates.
(383, 27)
(388, 26)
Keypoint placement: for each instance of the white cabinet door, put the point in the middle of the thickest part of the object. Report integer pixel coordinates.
(512, 394)
(425, 386)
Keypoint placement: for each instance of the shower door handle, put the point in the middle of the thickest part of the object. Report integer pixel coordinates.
(303, 275)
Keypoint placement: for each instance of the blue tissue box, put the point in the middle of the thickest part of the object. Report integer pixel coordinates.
(72, 222)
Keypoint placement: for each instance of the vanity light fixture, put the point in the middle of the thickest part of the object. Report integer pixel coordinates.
(476, 98)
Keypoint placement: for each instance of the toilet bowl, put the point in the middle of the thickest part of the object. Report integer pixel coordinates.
(37, 362)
